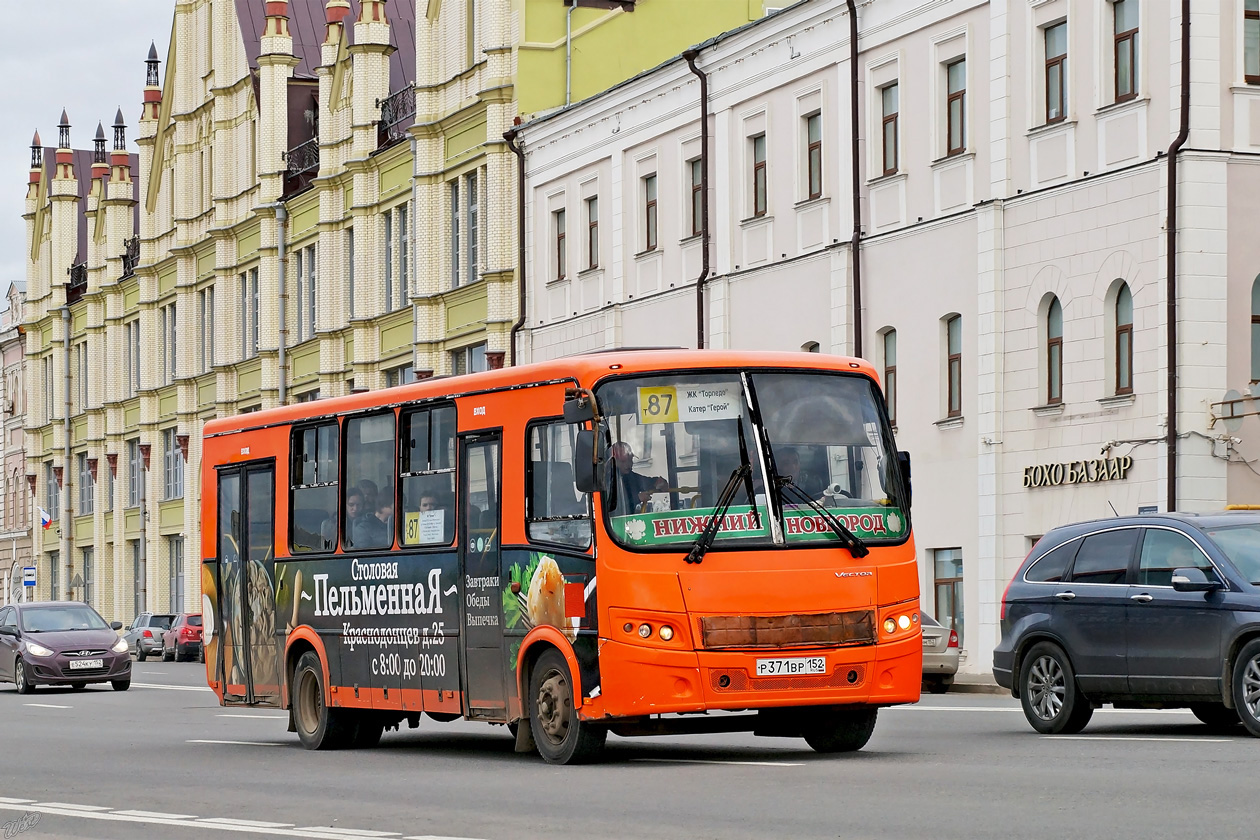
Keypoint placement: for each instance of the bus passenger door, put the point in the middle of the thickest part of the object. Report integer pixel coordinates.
(248, 652)
(479, 580)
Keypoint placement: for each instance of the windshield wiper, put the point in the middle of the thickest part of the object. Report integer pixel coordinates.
(724, 502)
(851, 541)
(748, 476)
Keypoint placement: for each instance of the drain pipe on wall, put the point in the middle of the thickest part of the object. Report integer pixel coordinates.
(510, 137)
(855, 243)
(1182, 135)
(691, 56)
(282, 216)
(66, 514)
(568, 51)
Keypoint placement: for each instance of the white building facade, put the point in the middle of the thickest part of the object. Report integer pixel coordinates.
(1013, 181)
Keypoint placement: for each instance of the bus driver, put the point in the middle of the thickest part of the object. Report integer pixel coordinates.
(633, 488)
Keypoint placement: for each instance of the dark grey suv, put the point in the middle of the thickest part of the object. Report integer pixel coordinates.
(1155, 611)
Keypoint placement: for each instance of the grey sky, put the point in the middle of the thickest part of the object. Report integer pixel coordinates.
(86, 56)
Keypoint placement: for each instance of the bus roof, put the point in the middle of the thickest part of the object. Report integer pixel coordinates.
(586, 369)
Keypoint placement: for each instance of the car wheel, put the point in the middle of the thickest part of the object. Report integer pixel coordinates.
(21, 679)
(140, 654)
(1217, 716)
(1051, 699)
(201, 654)
(121, 685)
(1246, 686)
(832, 729)
(561, 736)
(168, 656)
(318, 727)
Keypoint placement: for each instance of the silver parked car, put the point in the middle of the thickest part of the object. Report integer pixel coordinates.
(940, 655)
(144, 635)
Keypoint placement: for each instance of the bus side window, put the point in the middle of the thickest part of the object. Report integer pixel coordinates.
(427, 476)
(555, 511)
(368, 499)
(313, 480)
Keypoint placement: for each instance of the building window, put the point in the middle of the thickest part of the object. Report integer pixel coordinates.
(175, 550)
(649, 213)
(50, 402)
(1054, 353)
(172, 466)
(759, 175)
(592, 232)
(1251, 42)
(138, 578)
(468, 360)
(455, 242)
(697, 196)
(474, 241)
(131, 357)
(54, 569)
(53, 492)
(350, 273)
(109, 487)
(167, 329)
(948, 572)
(249, 313)
(87, 488)
(1125, 17)
(956, 107)
(398, 286)
(813, 155)
(465, 236)
(80, 371)
(557, 226)
(135, 473)
(1056, 72)
(1124, 340)
(205, 320)
(890, 97)
(307, 396)
(400, 375)
(89, 574)
(890, 375)
(953, 341)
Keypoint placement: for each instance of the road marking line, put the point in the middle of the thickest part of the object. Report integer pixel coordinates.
(11, 801)
(156, 815)
(1018, 710)
(436, 837)
(1137, 738)
(248, 823)
(717, 761)
(353, 832)
(172, 687)
(71, 806)
(47, 706)
(260, 717)
(238, 743)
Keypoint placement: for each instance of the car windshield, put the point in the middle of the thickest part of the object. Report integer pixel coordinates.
(194, 620)
(52, 619)
(162, 622)
(828, 436)
(1241, 544)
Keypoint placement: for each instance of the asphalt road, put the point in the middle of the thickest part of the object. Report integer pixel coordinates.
(163, 760)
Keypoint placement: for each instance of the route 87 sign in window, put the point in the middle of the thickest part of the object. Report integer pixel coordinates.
(674, 403)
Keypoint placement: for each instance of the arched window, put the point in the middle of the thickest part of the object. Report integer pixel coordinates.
(1255, 330)
(890, 374)
(811, 347)
(1124, 340)
(953, 366)
(1054, 353)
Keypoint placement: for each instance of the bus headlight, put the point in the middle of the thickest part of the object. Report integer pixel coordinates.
(890, 626)
(645, 630)
(666, 633)
(903, 622)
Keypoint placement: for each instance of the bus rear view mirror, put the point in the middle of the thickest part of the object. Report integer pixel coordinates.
(586, 468)
(903, 463)
(579, 405)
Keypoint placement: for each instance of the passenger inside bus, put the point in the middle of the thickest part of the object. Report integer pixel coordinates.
(788, 464)
(633, 489)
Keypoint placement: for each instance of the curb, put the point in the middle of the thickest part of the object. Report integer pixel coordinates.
(978, 688)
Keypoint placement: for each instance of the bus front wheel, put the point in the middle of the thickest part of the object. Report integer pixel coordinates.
(831, 729)
(318, 727)
(561, 736)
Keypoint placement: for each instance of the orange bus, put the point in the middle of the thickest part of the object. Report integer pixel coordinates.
(636, 542)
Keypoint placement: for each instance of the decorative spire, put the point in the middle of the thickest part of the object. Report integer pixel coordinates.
(151, 64)
(63, 131)
(120, 132)
(37, 152)
(98, 145)
(277, 14)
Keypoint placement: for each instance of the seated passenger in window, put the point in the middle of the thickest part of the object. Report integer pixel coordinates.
(633, 489)
(788, 464)
(375, 530)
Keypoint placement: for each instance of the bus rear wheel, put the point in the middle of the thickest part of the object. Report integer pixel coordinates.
(834, 729)
(561, 736)
(318, 727)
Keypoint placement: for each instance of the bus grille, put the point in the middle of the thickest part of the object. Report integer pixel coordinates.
(856, 627)
(737, 679)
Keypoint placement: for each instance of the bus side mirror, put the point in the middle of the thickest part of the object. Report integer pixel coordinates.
(579, 406)
(903, 463)
(586, 464)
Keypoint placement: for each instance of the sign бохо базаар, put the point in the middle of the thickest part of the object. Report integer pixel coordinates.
(1078, 472)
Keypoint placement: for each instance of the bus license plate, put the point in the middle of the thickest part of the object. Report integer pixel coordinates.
(86, 663)
(791, 667)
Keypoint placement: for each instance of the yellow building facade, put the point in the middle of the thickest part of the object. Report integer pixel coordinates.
(322, 201)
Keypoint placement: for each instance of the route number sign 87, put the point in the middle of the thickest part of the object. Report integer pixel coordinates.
(658, 404)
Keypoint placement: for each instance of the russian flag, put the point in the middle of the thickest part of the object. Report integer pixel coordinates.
(44, 518)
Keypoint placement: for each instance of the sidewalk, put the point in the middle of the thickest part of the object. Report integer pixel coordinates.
(976, 684)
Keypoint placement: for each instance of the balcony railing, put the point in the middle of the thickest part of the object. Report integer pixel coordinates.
(78, 282)
(398, 112)
(130, 255)
(303, 160)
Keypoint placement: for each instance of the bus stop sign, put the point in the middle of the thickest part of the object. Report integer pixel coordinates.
(28, 575)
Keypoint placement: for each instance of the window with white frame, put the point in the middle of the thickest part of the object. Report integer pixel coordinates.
(172, 466)
(109, 487)
(305, 268)
(473, 238)
(400, 375)
(131, 357)
(400, 284)
(135, 473)
(205, 322)
(89, 574)
(167, 328)
(465, 222)
(813, 156)
(81, 373)
(947, 571)
(52, 491)
(139, 577)
(956, 107)
(350, 272)
(890, 106)
(307, 396)
(175, 553)
(249, 308)
(455, 235)
(469, 359)
(1056, 53)
(50, 402)
(87, 487)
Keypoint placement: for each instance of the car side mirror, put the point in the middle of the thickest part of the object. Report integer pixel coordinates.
(1194, 580)
(903, 463)
(128, 627)
(115, 625)
(9, 630)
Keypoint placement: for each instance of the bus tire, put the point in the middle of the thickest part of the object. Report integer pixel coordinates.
(560, 735)
(318, 727)
(835, 729)
(367, 731)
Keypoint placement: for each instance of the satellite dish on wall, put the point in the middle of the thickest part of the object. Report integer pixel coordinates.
(1230, 410)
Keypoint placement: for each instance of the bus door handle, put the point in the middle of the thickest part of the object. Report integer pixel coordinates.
(1065, 596)
(1143, 597)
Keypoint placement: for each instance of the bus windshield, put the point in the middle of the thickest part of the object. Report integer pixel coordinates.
(676, 440)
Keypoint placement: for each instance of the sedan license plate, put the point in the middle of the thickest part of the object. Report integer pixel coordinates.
(83, 664)
(791, 667)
